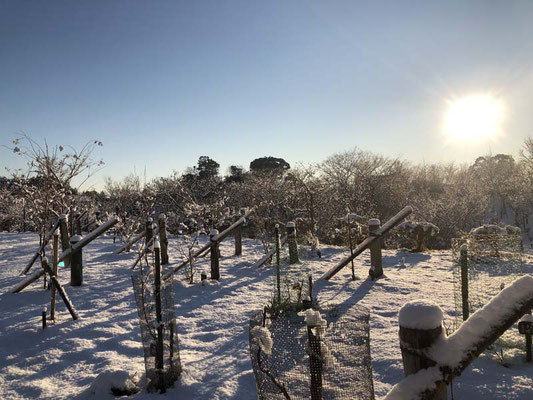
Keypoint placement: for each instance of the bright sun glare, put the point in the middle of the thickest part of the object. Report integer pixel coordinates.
(474, 118)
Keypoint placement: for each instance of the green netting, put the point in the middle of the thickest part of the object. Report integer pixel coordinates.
(494, 262)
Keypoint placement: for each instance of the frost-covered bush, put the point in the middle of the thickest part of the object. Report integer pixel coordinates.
(419, 231)
(489, 229)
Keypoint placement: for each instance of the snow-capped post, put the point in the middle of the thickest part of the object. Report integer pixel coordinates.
(65, 237)
(149, 234)
(238, 240)
(162, 219)
(315, 325)
(43, 316)
(55, 264)
(464, 281)
(420, 327)
(158, 315)
(277, 241)
(525, 327)
(76, 263)
(291, 240)
(215, 257)
(376, 265)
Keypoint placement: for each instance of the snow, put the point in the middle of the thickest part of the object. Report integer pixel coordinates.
(527, 318)
(451, 351)
(62, 361)
(489, 229)
(262, 336)
(374, 222)
(415, 384)
(112, 379)
(290, 224)
(420, 314)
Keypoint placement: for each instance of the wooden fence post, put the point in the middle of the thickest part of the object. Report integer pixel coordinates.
(291, 241)
(238, 240)
(76, 263)
(149, 234)
(376, 264)
(315, 364)
(163, 238)
(55, 263)
(65, 237)
(420, 327)
(464, 281)
(215, 259)
(159, 362)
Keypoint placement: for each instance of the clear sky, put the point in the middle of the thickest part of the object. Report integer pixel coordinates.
(164, 82)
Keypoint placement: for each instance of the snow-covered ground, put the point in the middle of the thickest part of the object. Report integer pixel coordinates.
(62, 361)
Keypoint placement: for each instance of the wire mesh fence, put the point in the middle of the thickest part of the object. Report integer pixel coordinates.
(144, 289)
(292, 360)
(494, 262)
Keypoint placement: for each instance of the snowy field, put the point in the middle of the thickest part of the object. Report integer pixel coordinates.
(62, 361)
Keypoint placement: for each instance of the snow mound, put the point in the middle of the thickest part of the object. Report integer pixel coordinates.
(420, 314)
(113, 382)
(261, 336)
(489, 229)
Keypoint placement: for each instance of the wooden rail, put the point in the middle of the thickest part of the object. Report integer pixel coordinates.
(452, 355)
(214, 241)
(67, 253)
(365, 244)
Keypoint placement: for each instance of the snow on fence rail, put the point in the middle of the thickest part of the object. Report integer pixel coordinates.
(365, 244)
(439, 359)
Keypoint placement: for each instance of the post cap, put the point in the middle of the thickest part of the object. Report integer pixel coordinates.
(420, 314)
(162, 216)
(464, 247)
(157, 245)
(63, 216)
(56, 232)
(290, 224)
(75, 239)
(374, 221)
(213, 232)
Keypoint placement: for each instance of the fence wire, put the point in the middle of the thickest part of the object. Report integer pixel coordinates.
(143, 287)
(494, 262)
(335, 364)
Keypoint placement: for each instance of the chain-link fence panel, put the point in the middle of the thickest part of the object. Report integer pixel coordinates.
(494, 262)
(143, 287)
(293, 360)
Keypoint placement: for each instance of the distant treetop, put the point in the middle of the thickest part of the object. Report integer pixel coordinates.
(269, 164)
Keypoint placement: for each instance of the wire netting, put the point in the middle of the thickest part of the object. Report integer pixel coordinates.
(144, 289)
(334, 364)
(494, 262)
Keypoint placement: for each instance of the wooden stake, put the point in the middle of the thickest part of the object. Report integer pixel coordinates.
(315, 364)
(215, 260)
(163, 238)
(76, 263)
(60, 289)
(43, 316)
(159, 362)
(65, 237)
(376, 264)
(55, 264)
(238, 240)
(464, 281)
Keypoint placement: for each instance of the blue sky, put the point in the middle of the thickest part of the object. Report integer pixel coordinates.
(164, 82)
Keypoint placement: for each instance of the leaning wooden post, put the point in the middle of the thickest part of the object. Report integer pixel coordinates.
(215, 257)
(163, 238)
(464, 281)
(291, 241)
(149, 234)
(238, 240)
(65, 236)
(420, 327)
(158, 313)
(55, 263)
(76, 263)
(376, 264)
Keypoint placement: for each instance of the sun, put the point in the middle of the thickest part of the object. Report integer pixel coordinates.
(474, 118)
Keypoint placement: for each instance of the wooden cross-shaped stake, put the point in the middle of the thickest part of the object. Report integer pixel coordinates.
(59, 289)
